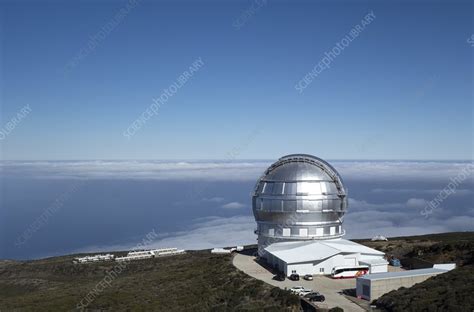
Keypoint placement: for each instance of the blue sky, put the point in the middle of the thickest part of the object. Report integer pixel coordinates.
(401, 90)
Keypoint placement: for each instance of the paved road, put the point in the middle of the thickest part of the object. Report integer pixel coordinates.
(328, 287)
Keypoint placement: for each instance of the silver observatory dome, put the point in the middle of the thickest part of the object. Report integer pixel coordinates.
(300, 197)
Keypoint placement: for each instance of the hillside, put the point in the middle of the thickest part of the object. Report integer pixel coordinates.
(200, 281)
(451, 291)
(434, 248)
(196, 281)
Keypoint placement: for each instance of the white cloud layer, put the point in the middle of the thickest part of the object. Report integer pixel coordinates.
(233, 205)
(366, 219)
(226, 170)
(363, 220)
(430, 192)
(214, 232)
(205, 233)
(397, 215)
(144, 170)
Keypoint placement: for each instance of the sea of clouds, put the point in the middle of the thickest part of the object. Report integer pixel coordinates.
(385, 197)
(225, 170)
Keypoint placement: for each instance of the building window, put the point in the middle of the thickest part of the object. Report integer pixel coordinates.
(304, 232)
(332, 230)
(321, 270)
(286, 232)
(268, 189)
(267, 204)
(295, 231)
(278, 188)
(290, 188)
(271, 232)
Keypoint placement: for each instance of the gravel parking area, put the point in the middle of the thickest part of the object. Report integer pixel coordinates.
(330, 288)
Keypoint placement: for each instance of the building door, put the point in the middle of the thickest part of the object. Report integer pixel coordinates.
(366, 291)
(350, 261)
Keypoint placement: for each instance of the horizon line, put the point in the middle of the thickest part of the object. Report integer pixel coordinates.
(235, 160)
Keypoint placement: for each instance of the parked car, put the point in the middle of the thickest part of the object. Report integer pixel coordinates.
(279, 277)
(294, 277)
(311, 294)
(304, 292)
(395, 262)
(308, 277)
(297, 289)
(315, 296)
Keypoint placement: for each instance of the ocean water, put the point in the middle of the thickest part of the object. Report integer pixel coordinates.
(53, 208)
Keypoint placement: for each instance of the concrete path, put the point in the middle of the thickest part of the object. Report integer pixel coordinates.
(330, 288)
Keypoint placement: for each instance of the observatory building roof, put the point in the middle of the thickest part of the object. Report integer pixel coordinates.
(294, 252)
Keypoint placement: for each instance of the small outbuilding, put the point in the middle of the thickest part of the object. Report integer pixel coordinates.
(373, 286)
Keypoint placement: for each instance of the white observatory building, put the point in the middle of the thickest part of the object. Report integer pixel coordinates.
(299, 204)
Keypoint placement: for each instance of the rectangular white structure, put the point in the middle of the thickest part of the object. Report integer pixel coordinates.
(321, 256)
(94, 258)
(373, 286)
(445, 266)
(375, 265)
